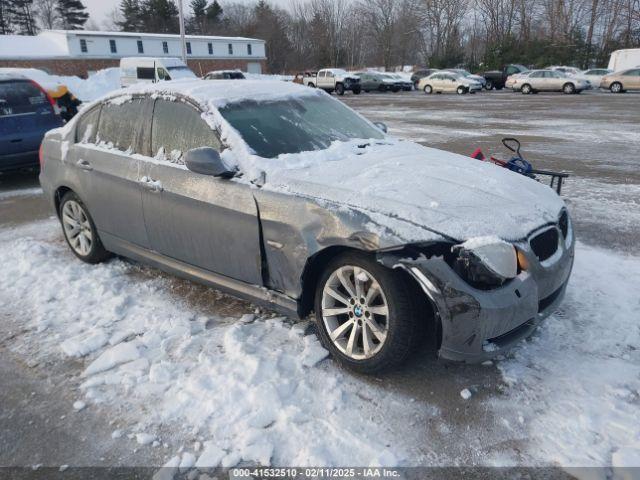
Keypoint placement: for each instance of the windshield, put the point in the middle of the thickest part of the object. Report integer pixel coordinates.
(294, 125)
(181, 72)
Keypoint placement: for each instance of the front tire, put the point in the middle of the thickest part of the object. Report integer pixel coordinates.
(79, 230)
(365, 313)
(569, 89)
(357, 90)
(311, 84)
(526, 89)
(616, 87)
(461, 90)
(489, 85)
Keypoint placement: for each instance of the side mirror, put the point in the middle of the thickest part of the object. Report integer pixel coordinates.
(381, 126)
(207, 161)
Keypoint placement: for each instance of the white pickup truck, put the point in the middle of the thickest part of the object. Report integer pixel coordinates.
(336, 79)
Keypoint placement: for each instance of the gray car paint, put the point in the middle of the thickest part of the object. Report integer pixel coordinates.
(258, 244)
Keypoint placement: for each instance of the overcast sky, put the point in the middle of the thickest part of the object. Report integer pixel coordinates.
(99, 9)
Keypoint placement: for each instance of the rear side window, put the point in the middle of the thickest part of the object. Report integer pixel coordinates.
(176, 129)
(119, 124)
(88, 126)
(22, 97)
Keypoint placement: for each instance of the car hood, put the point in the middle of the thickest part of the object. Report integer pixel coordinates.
(413, 192)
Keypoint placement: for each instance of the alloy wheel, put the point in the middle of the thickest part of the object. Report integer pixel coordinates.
(616, 87)
(77, 228)
(355, 312)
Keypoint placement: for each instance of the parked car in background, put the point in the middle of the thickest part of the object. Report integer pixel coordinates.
(337, 80)
(511, 80)
(376, 81)
(443, 81)
(266, 214)
(420, 74)
(465, 73)
(26, 113)
(404, 82)
(307, 78)
(595, 75)
(152, 70)
(550, 81)
(624, 59)
(225, 75)
(497, 78)
(569, 71)
(619, 82)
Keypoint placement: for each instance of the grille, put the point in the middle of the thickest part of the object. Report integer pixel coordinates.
(545, 244)
(563, 223)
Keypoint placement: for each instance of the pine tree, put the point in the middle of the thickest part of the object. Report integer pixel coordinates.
(214, 12)
(23, 17)
(131, 16)
(159, 16)
(197, 23)
(7, 12)
(72, 13)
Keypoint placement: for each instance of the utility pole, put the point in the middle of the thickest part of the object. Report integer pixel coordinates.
(182, 40)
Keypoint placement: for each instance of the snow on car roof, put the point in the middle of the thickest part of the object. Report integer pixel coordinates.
(212, 94)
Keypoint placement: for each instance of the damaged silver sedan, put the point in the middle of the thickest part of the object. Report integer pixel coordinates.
(284, 196)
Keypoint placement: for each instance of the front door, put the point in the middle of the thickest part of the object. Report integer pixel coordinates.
(208, 222)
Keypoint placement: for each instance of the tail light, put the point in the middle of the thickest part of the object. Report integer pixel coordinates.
(41, 155)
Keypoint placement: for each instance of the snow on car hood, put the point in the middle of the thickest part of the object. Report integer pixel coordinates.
(417, 191)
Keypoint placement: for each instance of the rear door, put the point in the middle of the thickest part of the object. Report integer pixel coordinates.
(109, 167)
(634, 80)
(25, 116)
(208, 222)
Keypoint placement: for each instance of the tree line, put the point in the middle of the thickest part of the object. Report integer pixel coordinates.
(26, 17)
(477, 34)
(386, 33)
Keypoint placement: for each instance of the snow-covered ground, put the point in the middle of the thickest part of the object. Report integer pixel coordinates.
(258, 389)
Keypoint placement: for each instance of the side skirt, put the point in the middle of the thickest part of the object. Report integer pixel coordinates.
(252, 293)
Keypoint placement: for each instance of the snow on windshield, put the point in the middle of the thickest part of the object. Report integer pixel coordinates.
(296, 124)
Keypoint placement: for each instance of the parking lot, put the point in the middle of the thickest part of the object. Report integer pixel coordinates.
(570, 395)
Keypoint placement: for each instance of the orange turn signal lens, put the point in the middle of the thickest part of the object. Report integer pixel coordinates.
(522, 261)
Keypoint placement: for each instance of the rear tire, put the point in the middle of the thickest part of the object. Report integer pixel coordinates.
(310, 84)
(616, 87)
(367, 336)
(357, 90)
(489, 85)
(79, 230)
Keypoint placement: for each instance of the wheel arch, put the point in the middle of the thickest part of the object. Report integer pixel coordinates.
(60, 192)
(314, 268)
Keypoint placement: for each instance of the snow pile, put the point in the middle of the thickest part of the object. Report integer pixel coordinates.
(577, 381)
(97, 85)
(255, 390)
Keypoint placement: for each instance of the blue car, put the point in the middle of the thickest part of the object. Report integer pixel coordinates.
(26, 114)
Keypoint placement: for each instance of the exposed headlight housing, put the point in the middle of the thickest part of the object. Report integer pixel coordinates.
(485, 263)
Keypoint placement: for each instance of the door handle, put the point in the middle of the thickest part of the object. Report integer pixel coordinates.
(84, 165)
(151, 184)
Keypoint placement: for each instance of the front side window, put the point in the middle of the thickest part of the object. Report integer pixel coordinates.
(177, 128)
(88, 126)
(140, 47)
(536, 75)
(83, 46)
(146, 73)
(294, 125)
(163, 74)
(119, 124)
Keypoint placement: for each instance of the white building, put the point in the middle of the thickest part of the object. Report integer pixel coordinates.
(76, 52)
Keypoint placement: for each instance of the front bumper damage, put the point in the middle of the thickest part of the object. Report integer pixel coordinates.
(477, 325)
